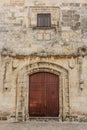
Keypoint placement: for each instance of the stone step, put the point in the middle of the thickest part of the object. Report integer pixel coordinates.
(43, 125)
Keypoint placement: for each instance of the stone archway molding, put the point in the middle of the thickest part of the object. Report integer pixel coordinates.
(23, 87)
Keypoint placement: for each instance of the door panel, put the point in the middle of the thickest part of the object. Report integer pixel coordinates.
(36, 95)
(51, 101)
(44, 95)
(52, 95)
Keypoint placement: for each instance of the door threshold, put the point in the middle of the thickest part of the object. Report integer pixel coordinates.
(44, 118)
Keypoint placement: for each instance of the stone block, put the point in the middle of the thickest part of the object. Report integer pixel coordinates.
(40, 36)
(47, 36)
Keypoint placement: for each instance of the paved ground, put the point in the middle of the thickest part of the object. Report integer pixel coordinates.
(38, 125)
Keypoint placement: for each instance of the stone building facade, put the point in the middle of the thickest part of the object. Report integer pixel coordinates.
(58, 47)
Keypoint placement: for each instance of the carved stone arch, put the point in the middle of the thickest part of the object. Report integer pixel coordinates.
(23, 87)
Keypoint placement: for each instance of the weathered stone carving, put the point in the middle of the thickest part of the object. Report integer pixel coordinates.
(72, 63)
(82, 51)
(7, 74)
(81, 77)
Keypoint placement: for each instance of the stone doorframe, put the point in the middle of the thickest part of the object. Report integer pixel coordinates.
(23, 88)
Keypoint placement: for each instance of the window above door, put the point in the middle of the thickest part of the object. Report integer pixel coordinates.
(44, 20)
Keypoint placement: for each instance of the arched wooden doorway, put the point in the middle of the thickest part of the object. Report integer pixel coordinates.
(43, 95)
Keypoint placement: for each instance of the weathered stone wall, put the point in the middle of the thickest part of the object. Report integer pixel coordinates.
(60, 49)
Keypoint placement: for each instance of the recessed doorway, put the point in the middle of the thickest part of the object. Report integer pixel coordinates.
(43, 95)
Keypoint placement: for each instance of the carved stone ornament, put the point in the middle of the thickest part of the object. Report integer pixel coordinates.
(82, 50)
(71, 63)
(15, 64)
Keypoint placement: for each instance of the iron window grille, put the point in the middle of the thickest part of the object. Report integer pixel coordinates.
(43, 20)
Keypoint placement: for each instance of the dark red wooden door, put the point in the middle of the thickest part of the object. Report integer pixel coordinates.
(44, 95)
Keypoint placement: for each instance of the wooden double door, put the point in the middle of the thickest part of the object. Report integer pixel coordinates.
(43, 95)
